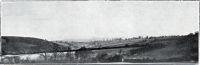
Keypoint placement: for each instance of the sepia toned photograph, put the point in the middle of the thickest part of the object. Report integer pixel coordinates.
(99, 32)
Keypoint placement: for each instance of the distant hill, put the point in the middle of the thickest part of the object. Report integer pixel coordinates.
(27, 45)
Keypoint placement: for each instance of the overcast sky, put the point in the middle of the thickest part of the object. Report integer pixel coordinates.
(87, 20)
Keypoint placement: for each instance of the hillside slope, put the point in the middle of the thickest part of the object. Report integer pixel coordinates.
(177, 49)
(27, 45)
(158, 49)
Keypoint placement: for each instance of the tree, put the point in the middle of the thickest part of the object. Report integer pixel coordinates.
(115, 58)
(45, 56)
(102, 57)
(83, 55)
(55, 54)
(69, 57)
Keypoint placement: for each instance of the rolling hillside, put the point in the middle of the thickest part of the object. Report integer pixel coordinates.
(178, 48)
(159, 49)
(27, 45)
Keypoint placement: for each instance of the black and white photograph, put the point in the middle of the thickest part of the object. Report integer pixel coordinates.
(99, 32)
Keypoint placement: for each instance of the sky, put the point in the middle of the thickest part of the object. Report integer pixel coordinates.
(67, 20)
